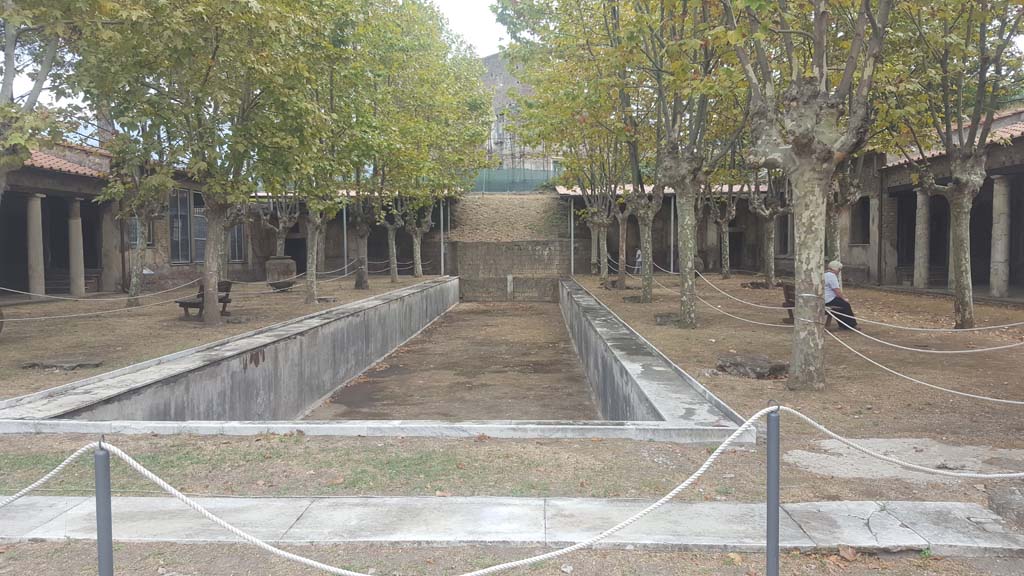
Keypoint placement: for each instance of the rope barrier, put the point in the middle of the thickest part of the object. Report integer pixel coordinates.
(717, 309)
(867, 320)
(85, 314)
(921, 382)
(117, 299)
(926, 351)
(739, 299)
(920, 329)
(246, 537)
(664, 270)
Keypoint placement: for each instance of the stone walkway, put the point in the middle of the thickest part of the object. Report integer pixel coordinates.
(946, 528)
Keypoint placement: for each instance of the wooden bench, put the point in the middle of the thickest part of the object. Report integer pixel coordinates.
(197, 301)
(789, 296)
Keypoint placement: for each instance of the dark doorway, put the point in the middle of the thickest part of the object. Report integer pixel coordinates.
(13, 250)
(906, 215)
(981, 236)
(295, 248)
(55, 234)
(938, 240)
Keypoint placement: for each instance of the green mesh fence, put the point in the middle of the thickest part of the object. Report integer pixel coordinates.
(512, 180)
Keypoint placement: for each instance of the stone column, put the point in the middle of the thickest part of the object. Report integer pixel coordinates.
(34, 224)
(921, 239)
(76, 256)
(999, 274)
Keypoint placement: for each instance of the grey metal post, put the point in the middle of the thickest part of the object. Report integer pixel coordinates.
(104, 526)
(344, 236)
(572, 239)
(772, 541)
(448, 218)
(441, 211)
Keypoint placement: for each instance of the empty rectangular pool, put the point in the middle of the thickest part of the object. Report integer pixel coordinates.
(480, 361)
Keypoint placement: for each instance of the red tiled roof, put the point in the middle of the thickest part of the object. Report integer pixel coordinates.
(996, 136)
(44, 161)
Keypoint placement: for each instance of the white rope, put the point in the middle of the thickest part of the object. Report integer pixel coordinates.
(50, 475)
(921, 382)
(897, 461)
(927, 351)
(717, 309)
(118, 298)
(666, 271)
(245, 536)
(267, 281)
(85, 314)
(869, 321)
(740, 299)
(919, 329)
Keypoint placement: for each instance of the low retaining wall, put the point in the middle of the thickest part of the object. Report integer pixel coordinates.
(629, 378)
(277, 373)
(509, 289)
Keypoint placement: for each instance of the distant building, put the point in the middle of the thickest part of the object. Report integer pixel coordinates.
(517, 168)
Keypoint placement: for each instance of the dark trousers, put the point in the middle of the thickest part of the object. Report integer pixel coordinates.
(842, 307)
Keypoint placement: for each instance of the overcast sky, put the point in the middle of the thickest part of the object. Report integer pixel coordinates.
(474, 20)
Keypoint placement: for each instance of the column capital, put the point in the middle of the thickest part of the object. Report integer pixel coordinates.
(1000, 178)
(37, 195)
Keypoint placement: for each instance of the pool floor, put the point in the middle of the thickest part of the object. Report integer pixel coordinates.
(480, 361)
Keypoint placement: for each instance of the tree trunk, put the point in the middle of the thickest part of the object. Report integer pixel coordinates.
(135, 272)
(215, 216)
(832, 235)
(594, 267)
(769, 251)
(602, 247)
(623, 260)
(392, 252)
(723, 243)
(922, 246)
(960, 203)
(686, 240)
(362, 276)
(417, 253)
(647, 268)
(313, 229)
(811, 191)
(281, 237)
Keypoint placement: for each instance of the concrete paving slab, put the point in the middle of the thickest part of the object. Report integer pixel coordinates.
(434, 520)
(684, 525)
(866, 526)
(31, 512)
(958, 528)
(946, 528)
(166, 519)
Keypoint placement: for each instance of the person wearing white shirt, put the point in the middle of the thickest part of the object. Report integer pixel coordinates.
(834, 297)
(639, 260)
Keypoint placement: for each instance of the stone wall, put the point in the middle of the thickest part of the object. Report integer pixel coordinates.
(629, 378)
(277, 373)
(526, 271)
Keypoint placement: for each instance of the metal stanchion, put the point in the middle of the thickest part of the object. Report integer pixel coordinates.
(772, 536)
(104, 522)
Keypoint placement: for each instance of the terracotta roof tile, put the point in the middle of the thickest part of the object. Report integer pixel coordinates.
(44, 161)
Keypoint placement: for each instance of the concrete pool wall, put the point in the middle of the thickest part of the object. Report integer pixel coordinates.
(248, 384)
(277, 373)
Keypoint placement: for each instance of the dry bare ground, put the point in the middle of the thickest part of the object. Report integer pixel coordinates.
(136, 559)
(860, 400)
(124, 338)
